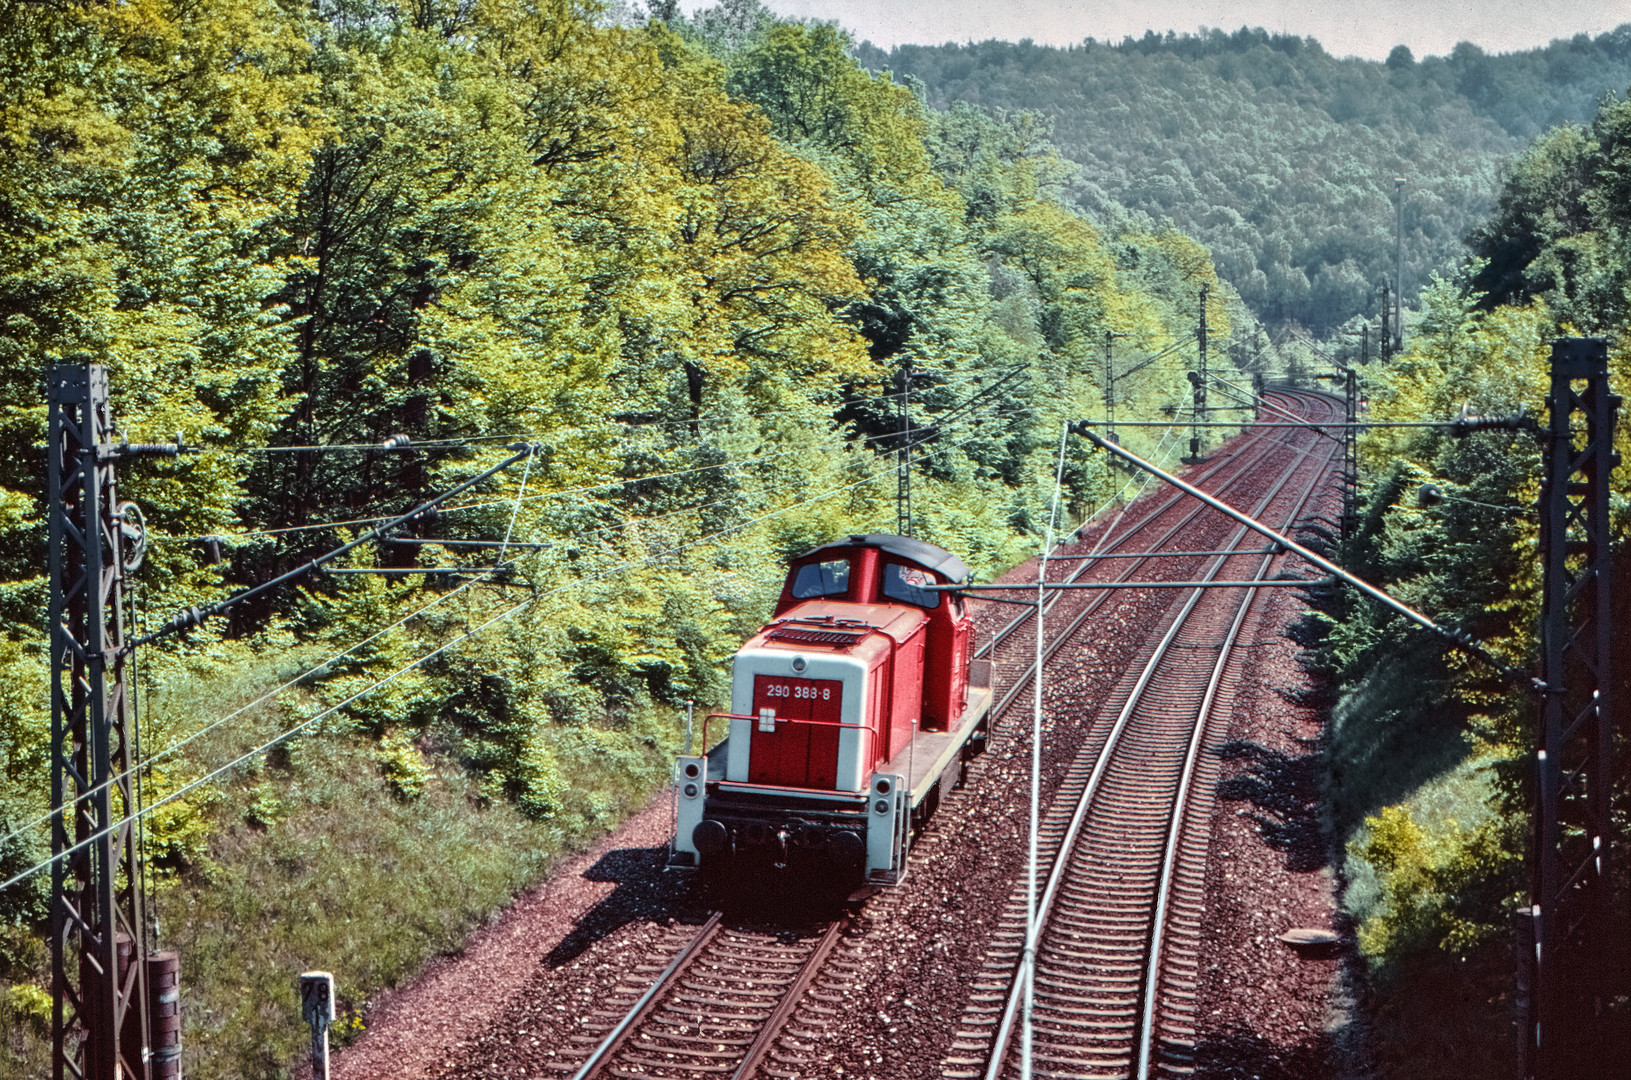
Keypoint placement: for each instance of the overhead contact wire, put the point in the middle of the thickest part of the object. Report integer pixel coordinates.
(330, 661)
(413, 665)
(607, 485)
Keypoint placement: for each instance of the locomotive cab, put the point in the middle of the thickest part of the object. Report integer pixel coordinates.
(849, 713)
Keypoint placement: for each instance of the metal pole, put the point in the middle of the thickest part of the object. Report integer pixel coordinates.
(1350, 458)
(98, 947)
(903, 483)
(1398, 296)
(1110, 406)
(1198, 414)
(1569, 893)
(1034, 849)
(1387, 336)
(1200, 402)
(1109, 386)
(906, 452)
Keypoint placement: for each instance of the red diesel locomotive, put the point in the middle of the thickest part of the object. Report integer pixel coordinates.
(851, 712)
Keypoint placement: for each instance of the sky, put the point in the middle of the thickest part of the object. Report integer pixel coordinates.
(1369, 29)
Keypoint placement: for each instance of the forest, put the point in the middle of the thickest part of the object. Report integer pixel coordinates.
(1278, 156)
(349, 252)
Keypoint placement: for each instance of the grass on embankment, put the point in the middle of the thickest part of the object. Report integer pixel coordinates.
(1429, 872)
(315, 859)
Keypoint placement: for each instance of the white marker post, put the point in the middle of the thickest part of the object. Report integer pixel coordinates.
(317, 1009)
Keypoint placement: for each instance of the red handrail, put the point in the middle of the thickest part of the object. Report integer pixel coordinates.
(780, 720)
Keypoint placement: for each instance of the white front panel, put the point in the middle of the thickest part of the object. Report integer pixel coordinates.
(844, 669)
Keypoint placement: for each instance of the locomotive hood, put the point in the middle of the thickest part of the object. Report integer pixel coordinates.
(821, 622)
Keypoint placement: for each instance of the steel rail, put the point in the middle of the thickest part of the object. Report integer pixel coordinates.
(1462, 641)
(1260, 583)
(812, 964)
(1157, 554)
(1262, 402)
(610, 1044)
(1246, 466)
(1152, 971)
(1059, 868)
(790, 1000)
(1313, 425)
(633, 1022)
(1238, 458)
(1180, 804)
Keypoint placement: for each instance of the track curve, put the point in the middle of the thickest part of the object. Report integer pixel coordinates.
(798, 1015)
(1127, 886)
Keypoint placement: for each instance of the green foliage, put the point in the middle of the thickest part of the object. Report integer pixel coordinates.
(1277, 156)
(1561, 227)
(356, 881)
(1451, 888)
(1430, 754)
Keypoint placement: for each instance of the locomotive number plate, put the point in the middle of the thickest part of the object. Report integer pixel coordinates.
(800, 689)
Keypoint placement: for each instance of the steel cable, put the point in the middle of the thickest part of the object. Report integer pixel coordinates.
(415, 664)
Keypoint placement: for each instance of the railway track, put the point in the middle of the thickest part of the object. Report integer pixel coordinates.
(739, 1001)
(713, 1011)
(1131, 818)
(1013, 652)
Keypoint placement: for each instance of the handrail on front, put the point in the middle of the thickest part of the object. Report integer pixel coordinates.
(782, 720)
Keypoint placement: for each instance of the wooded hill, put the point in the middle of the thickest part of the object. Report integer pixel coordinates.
(1278, 156)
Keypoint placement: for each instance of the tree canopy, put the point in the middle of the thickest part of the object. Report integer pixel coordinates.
(1275, 154)
(686, 262)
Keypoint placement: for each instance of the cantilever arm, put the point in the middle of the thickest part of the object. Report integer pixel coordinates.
(1460, 640)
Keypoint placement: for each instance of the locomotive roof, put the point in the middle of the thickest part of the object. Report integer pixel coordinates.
(926, 555)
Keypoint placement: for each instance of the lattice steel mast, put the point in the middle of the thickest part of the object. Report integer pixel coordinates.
(98, 952)
(1567, 921)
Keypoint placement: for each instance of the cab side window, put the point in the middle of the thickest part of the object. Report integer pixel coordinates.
(821, 579)
(907, 584)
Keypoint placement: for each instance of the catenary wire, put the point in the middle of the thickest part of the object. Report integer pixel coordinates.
(329, 661)
(618, 482)
(465, 440)
(289, 733)
(270, 694)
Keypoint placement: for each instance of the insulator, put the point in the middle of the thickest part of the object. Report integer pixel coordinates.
(133, 531)
(395, 442)
(1464, 425)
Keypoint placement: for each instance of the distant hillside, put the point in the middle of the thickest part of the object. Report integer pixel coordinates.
(1279, 156)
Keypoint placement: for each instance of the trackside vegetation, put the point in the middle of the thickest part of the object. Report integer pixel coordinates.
(1429, 754)
(686, 260)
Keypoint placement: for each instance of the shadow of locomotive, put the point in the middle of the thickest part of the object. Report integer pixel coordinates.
(1241, 1054)
(642, 893)
(1285, 791)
